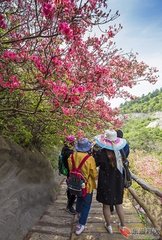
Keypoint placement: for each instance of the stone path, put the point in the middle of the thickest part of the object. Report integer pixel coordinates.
(57, 224)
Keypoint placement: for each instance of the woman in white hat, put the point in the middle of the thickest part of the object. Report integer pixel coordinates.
(110, 187)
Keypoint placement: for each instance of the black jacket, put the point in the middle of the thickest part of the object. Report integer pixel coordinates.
(66, 152)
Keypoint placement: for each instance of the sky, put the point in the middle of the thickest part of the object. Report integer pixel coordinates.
(142, 33)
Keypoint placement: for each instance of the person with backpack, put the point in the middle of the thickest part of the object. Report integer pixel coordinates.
(66, 151)
(81, 180)
(110, 189)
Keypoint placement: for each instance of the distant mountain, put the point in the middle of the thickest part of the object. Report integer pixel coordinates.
(151, 102)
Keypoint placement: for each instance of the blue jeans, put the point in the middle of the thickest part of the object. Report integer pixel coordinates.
(83, 206)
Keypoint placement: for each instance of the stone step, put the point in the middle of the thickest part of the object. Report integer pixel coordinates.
(57, 224)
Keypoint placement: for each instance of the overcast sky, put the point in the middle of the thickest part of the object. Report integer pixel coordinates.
(142, 33)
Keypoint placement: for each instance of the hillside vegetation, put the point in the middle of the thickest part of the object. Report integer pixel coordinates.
(136, 129)
(142, 138)
(152, 102)
(145, 142)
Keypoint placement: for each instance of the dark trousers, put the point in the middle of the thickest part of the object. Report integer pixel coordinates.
(71, 199)
(83, 206)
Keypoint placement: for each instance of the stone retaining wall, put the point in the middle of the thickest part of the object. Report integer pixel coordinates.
(27, 186)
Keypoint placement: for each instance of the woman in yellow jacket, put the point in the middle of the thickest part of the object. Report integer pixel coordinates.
(89, 171)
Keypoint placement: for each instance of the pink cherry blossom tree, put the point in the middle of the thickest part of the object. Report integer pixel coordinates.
(53, 67)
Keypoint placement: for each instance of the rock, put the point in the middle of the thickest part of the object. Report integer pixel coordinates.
(153, 124)
(156, 118)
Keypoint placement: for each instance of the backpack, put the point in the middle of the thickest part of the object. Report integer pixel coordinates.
(61, 167)
(127, 173)
(76, 182)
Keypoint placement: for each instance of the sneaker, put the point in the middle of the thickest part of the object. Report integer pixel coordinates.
(124, 231)
(71, 210)
(109, 228)
(79, 229)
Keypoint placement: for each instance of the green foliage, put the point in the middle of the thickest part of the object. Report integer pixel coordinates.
(22, 135)
(142, 138)
(27, 127)
(53, 154)
(150, 103)
(35, 125)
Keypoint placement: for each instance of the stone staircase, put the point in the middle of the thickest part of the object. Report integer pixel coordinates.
(57, 224)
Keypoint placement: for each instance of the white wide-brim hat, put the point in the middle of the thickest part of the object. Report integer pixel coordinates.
(109, 140)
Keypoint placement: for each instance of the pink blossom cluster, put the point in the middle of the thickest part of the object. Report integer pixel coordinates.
(110, 33)
(93, 3)
(68, 111)
(56, 61)
(10, 55)
(65, 29)
(48, 9)
(78, 90)
(12, 83)
(59, 88)
(74, 100)
(2, 22)
(38, 63)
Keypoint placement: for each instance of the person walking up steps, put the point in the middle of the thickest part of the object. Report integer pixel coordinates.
(89, 171)
(110, 187)
(67, 150)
